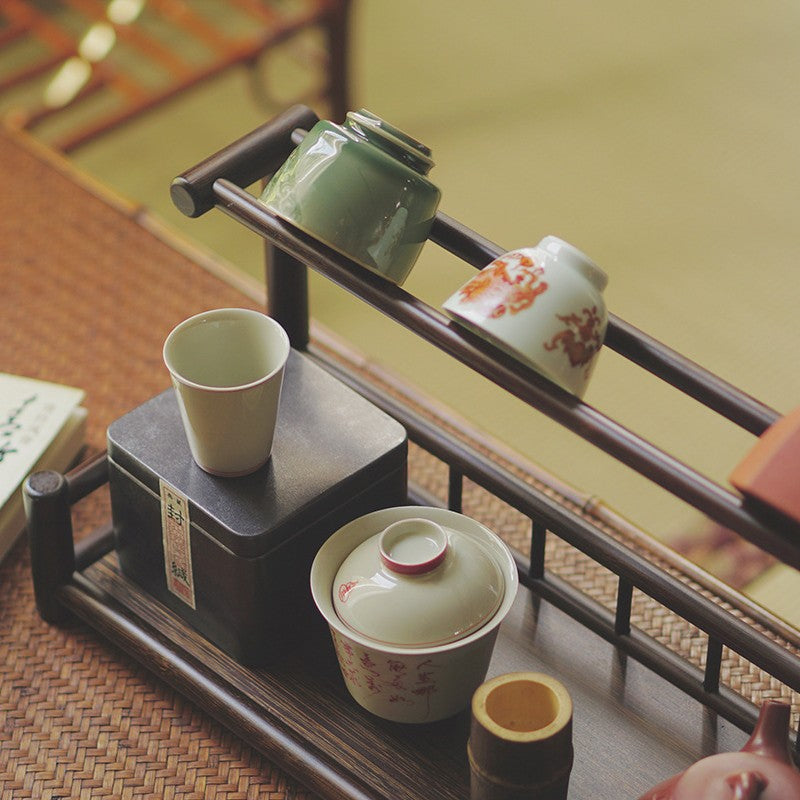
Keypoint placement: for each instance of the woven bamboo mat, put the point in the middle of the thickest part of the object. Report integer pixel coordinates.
(90, 292)
(89, 295)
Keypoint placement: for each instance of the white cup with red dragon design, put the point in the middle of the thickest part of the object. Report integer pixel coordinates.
(543, 305)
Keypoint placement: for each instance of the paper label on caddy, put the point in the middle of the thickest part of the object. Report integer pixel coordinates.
(177, 547)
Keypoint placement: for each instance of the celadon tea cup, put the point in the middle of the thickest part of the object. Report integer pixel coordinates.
(361, 189)
(543, 305)
(414, 597)
(227, 369)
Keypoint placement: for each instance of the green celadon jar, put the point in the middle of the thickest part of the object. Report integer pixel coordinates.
(361, 189)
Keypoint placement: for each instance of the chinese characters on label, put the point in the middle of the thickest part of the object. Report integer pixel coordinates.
(177, 547)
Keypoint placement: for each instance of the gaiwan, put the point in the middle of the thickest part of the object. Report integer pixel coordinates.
(414, 597)
(362, 189)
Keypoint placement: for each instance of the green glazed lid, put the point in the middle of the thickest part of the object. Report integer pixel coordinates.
(390, 139)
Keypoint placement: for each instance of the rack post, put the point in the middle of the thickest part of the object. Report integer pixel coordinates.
(287, 294)
(47, 507)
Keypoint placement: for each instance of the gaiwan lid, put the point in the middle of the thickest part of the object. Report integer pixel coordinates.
(417, 584)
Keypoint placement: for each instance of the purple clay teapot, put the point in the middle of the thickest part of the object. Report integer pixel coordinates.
(761, 770)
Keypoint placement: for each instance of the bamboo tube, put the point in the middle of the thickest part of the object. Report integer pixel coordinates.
(520, 745)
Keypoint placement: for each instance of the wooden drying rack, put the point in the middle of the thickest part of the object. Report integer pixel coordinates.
(643, 711)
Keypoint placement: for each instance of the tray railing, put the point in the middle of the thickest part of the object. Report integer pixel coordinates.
(221, 181)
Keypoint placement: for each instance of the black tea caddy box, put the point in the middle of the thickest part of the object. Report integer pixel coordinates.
(232, 556)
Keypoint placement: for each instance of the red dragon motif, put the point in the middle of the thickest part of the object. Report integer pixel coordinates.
(580, 339)
(345, 590)
(509, 285)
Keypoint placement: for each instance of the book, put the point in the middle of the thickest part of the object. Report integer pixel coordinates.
(42, 426)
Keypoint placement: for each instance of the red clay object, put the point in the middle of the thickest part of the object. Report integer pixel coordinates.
(761, 770)
(770, 472)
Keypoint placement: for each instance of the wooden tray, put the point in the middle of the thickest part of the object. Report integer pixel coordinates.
(631, 727)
